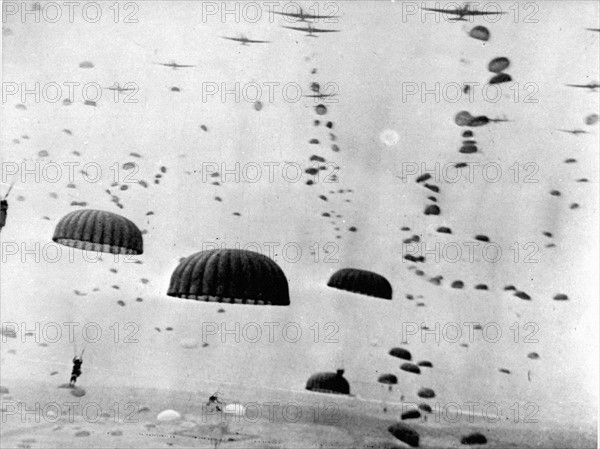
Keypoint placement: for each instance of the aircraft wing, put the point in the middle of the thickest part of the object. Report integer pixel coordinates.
(258, 42)
(483, 13)
(579, 85)
(180, 65)
(319, 95)
(446, 11)
(317, 30)
(288, 14)
(306, 30)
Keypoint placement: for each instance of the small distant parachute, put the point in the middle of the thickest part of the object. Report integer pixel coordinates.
(410, 368)
(99, 230)
(591, 119)
(533, 355)
(321, 109)
(128, 165)
(432, 209)
(258, 106)
(522, 295)
(329, 383)
(425, 363)
(468, 149)
(405, 433)
(473, 438)
(498, 65)
(426, 393)
(463, 118)
(388, 379)
(230, 275)
(501, 78)
(86, 65)
(43, 153)
(361, 281)
(480, 32)
(561, 297)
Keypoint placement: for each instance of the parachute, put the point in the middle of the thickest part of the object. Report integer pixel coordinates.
(480, 32)
(401, 353)
(425, 363)
(463, 118)
(426, 393)
(498, 65)
(410, 368)
(361, 281)
(329, 383)
(411, 414)
(468, 149)
(98, 230)
(230, 275)
(405, 433)
(388, 379)
(591, 119)
(500, 78)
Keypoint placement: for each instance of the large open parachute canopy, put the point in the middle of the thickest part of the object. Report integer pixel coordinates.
(328, 383)
(361, 281)
(230, 275)
(97, 230)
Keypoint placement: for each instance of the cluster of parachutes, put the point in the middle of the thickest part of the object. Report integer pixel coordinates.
(226, 275)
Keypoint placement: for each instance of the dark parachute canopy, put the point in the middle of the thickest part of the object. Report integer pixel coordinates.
(329, 383)
(361, 281)
(405, 433)
(98, 230)
(500, 78)
(230, 275)
(426, 393)
(463, 118)
(481, 33)
(388, 379)
(411, 368)
(498, 65)
(401, 353)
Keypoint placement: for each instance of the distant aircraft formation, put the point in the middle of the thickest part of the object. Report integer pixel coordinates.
(301, 16)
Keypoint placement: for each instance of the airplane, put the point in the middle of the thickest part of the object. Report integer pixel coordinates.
(575, 132)
(303, 16)
(245, 41)
(320, 95)
(592, 86)
(463, 12)
(310, 30)
(174, 65)
(120, 89)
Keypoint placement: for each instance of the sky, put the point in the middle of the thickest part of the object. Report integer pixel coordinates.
(378, 55)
